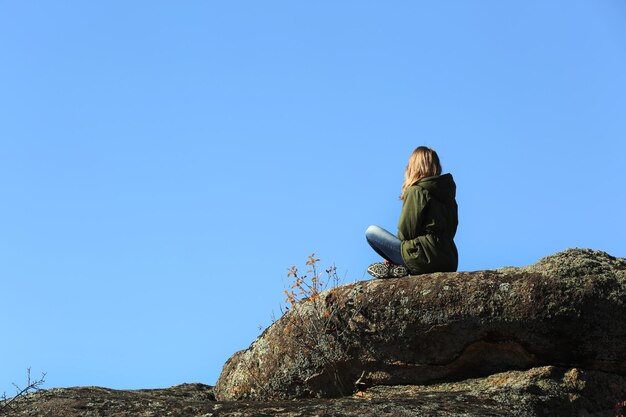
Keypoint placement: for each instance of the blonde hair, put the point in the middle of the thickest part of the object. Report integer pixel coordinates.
(423, 163)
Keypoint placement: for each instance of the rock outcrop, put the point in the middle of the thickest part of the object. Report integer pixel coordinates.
(567, 311)
(544, 391)
(543, 340)
(179, 400)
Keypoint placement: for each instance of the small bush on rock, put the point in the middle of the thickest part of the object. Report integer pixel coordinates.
(309, 287)
(318, 324)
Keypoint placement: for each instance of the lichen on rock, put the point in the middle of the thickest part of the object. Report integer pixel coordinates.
(568, 310)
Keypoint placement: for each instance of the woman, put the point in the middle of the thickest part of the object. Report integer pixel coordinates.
(427, 225)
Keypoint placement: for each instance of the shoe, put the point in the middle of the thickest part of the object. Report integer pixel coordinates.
(399, 271)
(378, 270)
(383, 270)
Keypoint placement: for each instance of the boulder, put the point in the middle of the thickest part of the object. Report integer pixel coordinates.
(568, 310)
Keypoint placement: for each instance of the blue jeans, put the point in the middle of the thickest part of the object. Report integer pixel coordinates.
(385, 244)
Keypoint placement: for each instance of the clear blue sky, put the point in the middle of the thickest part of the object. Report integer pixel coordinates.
(162, 164)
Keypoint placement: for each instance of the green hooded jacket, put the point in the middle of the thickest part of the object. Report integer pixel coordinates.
(428, 224)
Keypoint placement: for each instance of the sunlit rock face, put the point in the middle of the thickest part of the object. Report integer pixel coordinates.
(567, 310)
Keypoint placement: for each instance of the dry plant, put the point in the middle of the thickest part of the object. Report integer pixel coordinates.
(319, 325)
(8, 404)
(309, 287)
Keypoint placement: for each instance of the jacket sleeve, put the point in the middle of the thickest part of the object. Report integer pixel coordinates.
(411, 216)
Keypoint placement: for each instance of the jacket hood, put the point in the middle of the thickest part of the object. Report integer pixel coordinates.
(442, 187)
